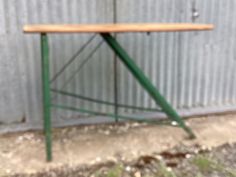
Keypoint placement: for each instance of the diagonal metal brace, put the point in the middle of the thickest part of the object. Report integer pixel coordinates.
(145, 82)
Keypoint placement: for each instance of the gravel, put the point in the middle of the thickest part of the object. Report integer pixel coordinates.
(194, 161)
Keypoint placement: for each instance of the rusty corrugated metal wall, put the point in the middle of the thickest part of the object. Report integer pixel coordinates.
(195, 70)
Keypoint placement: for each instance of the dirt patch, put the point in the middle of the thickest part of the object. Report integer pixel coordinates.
(84, 146)
(194, 161)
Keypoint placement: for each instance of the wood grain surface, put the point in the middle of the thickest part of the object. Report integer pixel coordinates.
(115, 28)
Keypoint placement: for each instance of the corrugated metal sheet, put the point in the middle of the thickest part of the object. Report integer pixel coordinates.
(193, 70)
(20, 57)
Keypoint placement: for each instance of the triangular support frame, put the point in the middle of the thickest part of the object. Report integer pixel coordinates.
(145, 82)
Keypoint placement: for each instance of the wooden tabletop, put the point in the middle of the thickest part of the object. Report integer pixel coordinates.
(116, 28)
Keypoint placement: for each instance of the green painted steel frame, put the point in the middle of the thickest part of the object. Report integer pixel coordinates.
(46, 95)
(145, 82)
(61, 92)
(133, 68)
(123, 117)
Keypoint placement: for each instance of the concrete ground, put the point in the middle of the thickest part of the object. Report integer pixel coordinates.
(75, 146)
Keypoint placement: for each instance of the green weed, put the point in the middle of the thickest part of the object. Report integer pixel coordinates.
(207, 164)
(163, 171)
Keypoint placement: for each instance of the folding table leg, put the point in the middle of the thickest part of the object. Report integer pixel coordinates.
(145, 82)
(46, 95)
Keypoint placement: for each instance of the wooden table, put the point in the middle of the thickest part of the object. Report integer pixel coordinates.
(104, 30)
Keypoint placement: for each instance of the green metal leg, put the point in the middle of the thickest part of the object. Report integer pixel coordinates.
(145, 82)
(46, 95)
